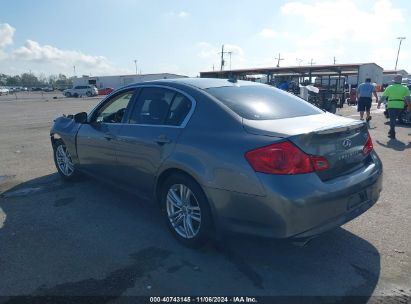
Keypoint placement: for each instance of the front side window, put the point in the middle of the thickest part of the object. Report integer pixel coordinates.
(113, 110)
(160, 106)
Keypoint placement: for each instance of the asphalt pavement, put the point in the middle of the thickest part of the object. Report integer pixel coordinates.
(85, 238)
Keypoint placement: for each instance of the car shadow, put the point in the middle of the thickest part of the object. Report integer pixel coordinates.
(395, 144)
(87, 239)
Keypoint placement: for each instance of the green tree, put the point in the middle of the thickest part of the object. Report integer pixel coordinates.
(3, 79)
(52, 80)
(13, 80)
(63, 82)
(29, 80)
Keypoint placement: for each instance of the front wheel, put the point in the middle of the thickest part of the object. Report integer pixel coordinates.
(186, 210)
(63, 161)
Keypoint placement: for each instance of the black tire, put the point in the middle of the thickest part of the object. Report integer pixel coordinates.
(69, 175)
(204, 228)
(88, 94)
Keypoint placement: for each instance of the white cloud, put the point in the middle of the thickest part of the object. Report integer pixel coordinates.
(386, 57)
(206, 50)
(268, 33)
(6, 34)
(359, 25)
(34, 52)
(235, 50)
(183, 14)
(367, 33)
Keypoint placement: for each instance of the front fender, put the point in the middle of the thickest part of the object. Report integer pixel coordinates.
(66, 129)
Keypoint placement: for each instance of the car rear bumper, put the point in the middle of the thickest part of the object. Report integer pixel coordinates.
(298, 206)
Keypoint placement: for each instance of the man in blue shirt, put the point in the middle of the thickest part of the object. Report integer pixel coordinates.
(364, 97)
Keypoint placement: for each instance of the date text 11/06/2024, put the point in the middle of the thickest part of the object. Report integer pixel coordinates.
(203, 300)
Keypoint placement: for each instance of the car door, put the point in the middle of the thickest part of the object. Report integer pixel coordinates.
(158, 116)
(96, 140)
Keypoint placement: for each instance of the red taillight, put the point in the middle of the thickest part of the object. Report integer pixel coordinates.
(368, 147)
(284, 158)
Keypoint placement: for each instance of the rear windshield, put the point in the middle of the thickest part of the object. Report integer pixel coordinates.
(263, 102)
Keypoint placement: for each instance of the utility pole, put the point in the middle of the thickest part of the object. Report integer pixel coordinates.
(299, 61)
(335, 60)
(74, 70)
(222, 57)
(229, 53)
(311, 62)
(399, 47)
(278, 60)
(135, 63)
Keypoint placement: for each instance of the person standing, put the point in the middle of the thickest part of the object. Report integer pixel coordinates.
(364, 96)
(396, 94)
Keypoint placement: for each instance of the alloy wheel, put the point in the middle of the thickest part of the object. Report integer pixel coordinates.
(183, 211)
(64, 162)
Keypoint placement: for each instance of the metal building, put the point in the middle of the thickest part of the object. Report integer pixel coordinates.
(118, 81)
(346, 73)
(389, 75)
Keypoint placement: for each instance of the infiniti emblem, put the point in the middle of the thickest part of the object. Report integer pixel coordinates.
(346, 143)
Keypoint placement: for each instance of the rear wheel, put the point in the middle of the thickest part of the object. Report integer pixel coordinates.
(186, 210)
(63, 161)
(88, 94)
(68, 94)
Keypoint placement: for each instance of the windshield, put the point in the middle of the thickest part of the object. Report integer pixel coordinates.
(263, 102)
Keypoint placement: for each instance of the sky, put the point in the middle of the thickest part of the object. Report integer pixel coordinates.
(106, 37)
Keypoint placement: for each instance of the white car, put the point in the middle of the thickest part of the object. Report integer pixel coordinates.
(86, 90)
(4, 91)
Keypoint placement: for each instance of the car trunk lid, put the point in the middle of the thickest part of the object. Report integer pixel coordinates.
(340, 140)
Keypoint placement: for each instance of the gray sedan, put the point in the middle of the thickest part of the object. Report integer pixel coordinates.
(224, 156)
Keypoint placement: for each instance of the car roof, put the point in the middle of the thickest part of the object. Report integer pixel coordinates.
(202, 83)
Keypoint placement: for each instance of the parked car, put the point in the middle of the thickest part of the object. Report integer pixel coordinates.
(48, 89)
(220, 155)
(105, 91)
(35, 89)
(78, 91)
(4, 91)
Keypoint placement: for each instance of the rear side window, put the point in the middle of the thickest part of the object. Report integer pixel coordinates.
(160, 106)
(263, 102)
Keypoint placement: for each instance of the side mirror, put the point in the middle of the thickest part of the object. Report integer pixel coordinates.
(80, 117)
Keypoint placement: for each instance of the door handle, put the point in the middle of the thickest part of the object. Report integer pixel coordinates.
(108, 136)
(162, 139)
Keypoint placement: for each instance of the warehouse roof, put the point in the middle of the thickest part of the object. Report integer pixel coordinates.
(314, 70)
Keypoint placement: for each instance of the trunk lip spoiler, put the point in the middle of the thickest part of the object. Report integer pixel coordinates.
(339, 128)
